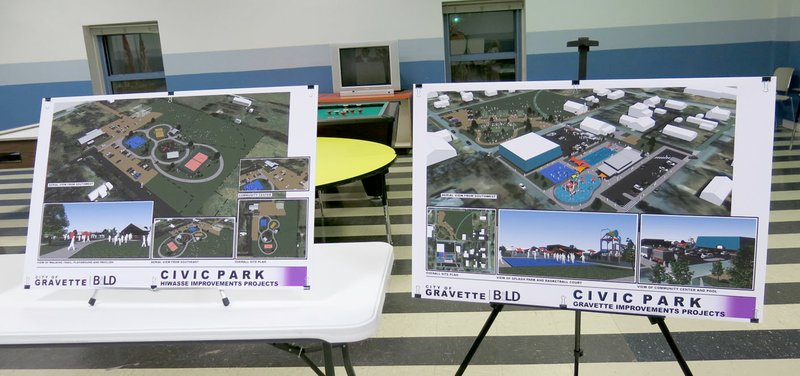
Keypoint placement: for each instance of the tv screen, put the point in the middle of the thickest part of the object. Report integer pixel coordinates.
(365, 66)
(369, 68)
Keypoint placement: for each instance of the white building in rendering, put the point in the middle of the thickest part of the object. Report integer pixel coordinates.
(704, 124)
(675, 105)
(619, 162)
(597, 127)
(242, 101)
(640, 110)
(441, 104)
(678, 132)
(652, 101)
(467, 96)
(717, 190)
(718, 113)
(638, 124)
(601, 92)
(575, 107)
(616, 94)
(439, 148)
(91, 135)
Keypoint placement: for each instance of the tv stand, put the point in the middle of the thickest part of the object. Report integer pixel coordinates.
(403, 134)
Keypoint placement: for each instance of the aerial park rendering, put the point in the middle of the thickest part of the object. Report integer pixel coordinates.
(273, 174)
(603, 149)
(183, 153)
(193, 237)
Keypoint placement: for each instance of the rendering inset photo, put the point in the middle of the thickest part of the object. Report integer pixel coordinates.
(717, 252)
(602, 246)
(99, 230)
(461, 240)
(273, 174)
(204, 237)
(272, 228)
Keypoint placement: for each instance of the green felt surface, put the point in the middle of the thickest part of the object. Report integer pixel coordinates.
(360, 111)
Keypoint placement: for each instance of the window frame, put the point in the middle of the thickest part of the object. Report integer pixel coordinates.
(99, 74)
(486, 6)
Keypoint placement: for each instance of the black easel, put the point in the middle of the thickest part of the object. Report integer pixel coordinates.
(577, 351)
(583, 44)
(496, 308)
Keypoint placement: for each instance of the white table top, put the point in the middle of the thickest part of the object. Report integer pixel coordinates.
(348, 283)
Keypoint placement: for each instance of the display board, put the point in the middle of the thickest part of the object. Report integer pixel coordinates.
(647, 197)
(174, 190)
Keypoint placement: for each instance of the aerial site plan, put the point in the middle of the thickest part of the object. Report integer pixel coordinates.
(137, 186)
(525, 185)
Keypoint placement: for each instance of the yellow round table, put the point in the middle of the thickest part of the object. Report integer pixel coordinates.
(345, 160)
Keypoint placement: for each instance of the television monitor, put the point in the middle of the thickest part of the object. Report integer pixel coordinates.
(365, 68)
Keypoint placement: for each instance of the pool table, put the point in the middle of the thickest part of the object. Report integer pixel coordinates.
(375, 122)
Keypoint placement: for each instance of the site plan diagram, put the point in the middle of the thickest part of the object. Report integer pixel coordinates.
(140, 180)
(571, 181)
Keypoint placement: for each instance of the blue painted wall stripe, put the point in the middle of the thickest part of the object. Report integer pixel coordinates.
(669, 35)
(21, 104)
(743, 59)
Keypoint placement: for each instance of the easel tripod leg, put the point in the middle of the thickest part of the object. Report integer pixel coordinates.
(496, 308)
(671, 342)
(578, 352)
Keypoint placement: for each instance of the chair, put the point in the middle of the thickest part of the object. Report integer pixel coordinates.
(782, 95)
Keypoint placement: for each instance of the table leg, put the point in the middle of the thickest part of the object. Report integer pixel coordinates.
(327, 353)
(348, 366)
(375, 186)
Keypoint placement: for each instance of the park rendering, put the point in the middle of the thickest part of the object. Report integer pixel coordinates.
(273, 174)
(107, 230)
(182, 153)
(210, 237)
(602, 246)
(654, 150)
(717, 252)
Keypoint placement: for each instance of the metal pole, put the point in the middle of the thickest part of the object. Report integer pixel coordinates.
(577, 351)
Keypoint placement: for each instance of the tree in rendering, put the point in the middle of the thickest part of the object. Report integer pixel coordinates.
(54, 221)
(681, 274)
(717, 270)
(657, 273)
(741, 270)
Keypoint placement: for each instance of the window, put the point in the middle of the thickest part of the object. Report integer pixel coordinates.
(125, 58)
(483, 41)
